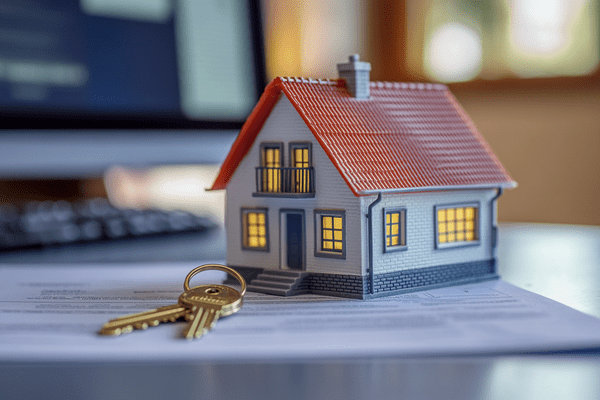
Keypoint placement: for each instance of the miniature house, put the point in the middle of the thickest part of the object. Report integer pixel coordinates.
(360, 189)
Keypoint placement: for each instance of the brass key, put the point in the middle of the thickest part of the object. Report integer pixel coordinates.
(201, 305)
(144, 319)
(208, 303)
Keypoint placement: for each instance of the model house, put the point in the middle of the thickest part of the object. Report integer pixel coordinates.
(360, 189)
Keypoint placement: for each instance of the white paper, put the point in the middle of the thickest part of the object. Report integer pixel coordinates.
(54, 313)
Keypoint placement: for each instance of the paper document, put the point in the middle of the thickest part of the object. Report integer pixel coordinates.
(54, 313)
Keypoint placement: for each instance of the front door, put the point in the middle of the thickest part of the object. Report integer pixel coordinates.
(292, 239)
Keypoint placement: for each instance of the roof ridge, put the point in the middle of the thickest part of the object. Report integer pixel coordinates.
(307, 80)
(409, 85)
(377, 84)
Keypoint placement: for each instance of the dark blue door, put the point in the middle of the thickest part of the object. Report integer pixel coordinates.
(295, 240)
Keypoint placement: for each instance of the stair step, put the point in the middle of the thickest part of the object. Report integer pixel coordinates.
(274, 278)
(277, 282)
(271, 284)
(279, 272)
(267, 290)
(275, 291)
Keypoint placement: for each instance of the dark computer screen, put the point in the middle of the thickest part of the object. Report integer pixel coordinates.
(129, 63)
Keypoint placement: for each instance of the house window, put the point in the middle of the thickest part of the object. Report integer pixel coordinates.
(300, 161)
(254, 229)
(271, 161)
(395, 229)
(330, 237)
(457, 225)
(275, 180)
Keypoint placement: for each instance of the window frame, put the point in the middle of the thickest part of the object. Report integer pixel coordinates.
(275, 178)
(299, 145)
(463, 243)
(318, 226)
(292, 146)
(271, 145)
(244, 225)
(402, 231)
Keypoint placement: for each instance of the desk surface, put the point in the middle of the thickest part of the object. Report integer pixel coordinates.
(559, 262)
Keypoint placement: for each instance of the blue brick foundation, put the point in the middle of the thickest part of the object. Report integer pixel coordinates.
(432, 277)
(354, 286)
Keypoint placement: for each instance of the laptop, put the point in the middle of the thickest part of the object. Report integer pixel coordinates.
(87, 85)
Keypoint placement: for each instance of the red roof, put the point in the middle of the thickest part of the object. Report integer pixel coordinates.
(406, 137)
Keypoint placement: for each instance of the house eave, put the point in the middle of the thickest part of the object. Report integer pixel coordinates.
(504, 185)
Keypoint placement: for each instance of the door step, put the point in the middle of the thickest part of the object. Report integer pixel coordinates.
(279, 282)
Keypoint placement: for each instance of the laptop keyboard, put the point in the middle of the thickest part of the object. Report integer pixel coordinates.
(58, 223)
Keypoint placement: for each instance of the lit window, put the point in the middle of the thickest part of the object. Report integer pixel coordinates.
(395, 229)
(301, 162)
(332, 239)
(331, 234)
(271, 163)
(457, 225)
(254, 225)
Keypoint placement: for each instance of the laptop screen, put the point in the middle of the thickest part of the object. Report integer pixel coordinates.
(129, 63)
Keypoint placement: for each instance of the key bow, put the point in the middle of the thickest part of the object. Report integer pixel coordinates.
(205, 267)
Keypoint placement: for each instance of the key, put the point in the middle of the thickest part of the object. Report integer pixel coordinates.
(143, 320)
(201, 306)
(208, 303)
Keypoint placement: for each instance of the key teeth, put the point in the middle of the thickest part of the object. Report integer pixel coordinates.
(109, 332)
(198, 334)
(201, 333)
(115, 331)
(117, 326)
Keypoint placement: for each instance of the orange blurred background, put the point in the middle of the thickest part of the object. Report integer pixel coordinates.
(526, 71)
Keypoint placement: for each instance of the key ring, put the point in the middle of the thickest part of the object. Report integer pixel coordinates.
(230, 271)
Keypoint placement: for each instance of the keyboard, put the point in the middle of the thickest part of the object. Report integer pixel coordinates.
(60, 223)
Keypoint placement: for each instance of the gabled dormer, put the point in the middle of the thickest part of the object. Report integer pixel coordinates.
(277, 176)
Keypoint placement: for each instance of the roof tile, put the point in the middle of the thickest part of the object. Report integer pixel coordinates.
(405, 137)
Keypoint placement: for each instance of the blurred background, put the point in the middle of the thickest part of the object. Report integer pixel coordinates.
(526, 71)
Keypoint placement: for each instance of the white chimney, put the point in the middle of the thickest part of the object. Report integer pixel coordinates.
(356, 74)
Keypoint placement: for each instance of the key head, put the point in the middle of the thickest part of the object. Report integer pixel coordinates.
(220, 297)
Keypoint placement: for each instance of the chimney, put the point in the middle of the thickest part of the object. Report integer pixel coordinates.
(356, 74)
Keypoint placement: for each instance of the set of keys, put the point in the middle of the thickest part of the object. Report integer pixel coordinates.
(201, 306)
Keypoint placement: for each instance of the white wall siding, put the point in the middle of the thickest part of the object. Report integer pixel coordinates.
(420, 230)
(332, 193)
